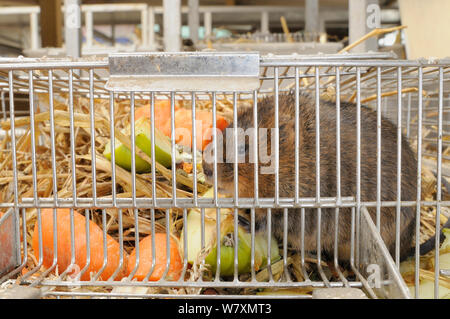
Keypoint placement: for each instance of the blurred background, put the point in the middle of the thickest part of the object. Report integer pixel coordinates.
(37, 28)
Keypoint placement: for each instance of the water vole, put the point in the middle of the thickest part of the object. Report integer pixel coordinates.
(307, 171)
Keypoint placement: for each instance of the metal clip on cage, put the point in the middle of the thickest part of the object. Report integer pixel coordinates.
(195, 77)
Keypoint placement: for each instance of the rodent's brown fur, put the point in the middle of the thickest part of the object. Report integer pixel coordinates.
(307, 174)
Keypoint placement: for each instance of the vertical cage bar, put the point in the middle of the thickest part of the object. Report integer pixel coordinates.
(235, 146)
(378, 212)
(255, 148)
(218, 245)
(105, 247)
(72, 241)
(185, 245)
(194, 149)
(269, 243)
(121, 255)
(439, 184)
(152, 268)
(338, 175)
(302, 243)
(319, 210)
(285, 244)
(358, 158)
(133, 150)
(18, 237)
(297, 137)
(33, 137)
(408, 116)
(252, 252)
(55, 246)
(202, 235)
(173, 139)
(277, 177)
(73, 140)
(152, 135)
(72, 245)
(92, 130)
(88, 246)
(236, 244)
(352, 239)
(336, 249)
(317, 131)
(214, 117)
(113, 149)
(419, 181)
(52, 137)
(338, 137)
(399, 166)
(137, 244)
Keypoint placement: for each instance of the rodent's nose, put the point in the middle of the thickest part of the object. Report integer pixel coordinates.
(207, 170)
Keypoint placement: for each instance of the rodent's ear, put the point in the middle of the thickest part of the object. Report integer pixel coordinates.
(243, 113)
(243, 109)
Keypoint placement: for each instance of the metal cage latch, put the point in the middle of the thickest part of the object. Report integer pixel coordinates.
(181, 71)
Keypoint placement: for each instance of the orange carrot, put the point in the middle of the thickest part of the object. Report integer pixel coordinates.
(64, 253)
(187, 167)
(162, 112)
(24, 271)
(183, 123)
(203, 127)
(145, 259)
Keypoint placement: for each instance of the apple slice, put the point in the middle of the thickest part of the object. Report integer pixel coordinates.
(194, 232)
(244, 253)
(194, 244)
(143, 142)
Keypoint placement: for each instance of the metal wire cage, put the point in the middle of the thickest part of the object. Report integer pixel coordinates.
(59, 114)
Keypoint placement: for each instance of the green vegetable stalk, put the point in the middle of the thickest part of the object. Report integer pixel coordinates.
(143, 142)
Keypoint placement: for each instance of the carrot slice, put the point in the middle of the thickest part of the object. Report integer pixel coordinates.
(145, 259)
(183, 123)
(64, 251)
(203, 127)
